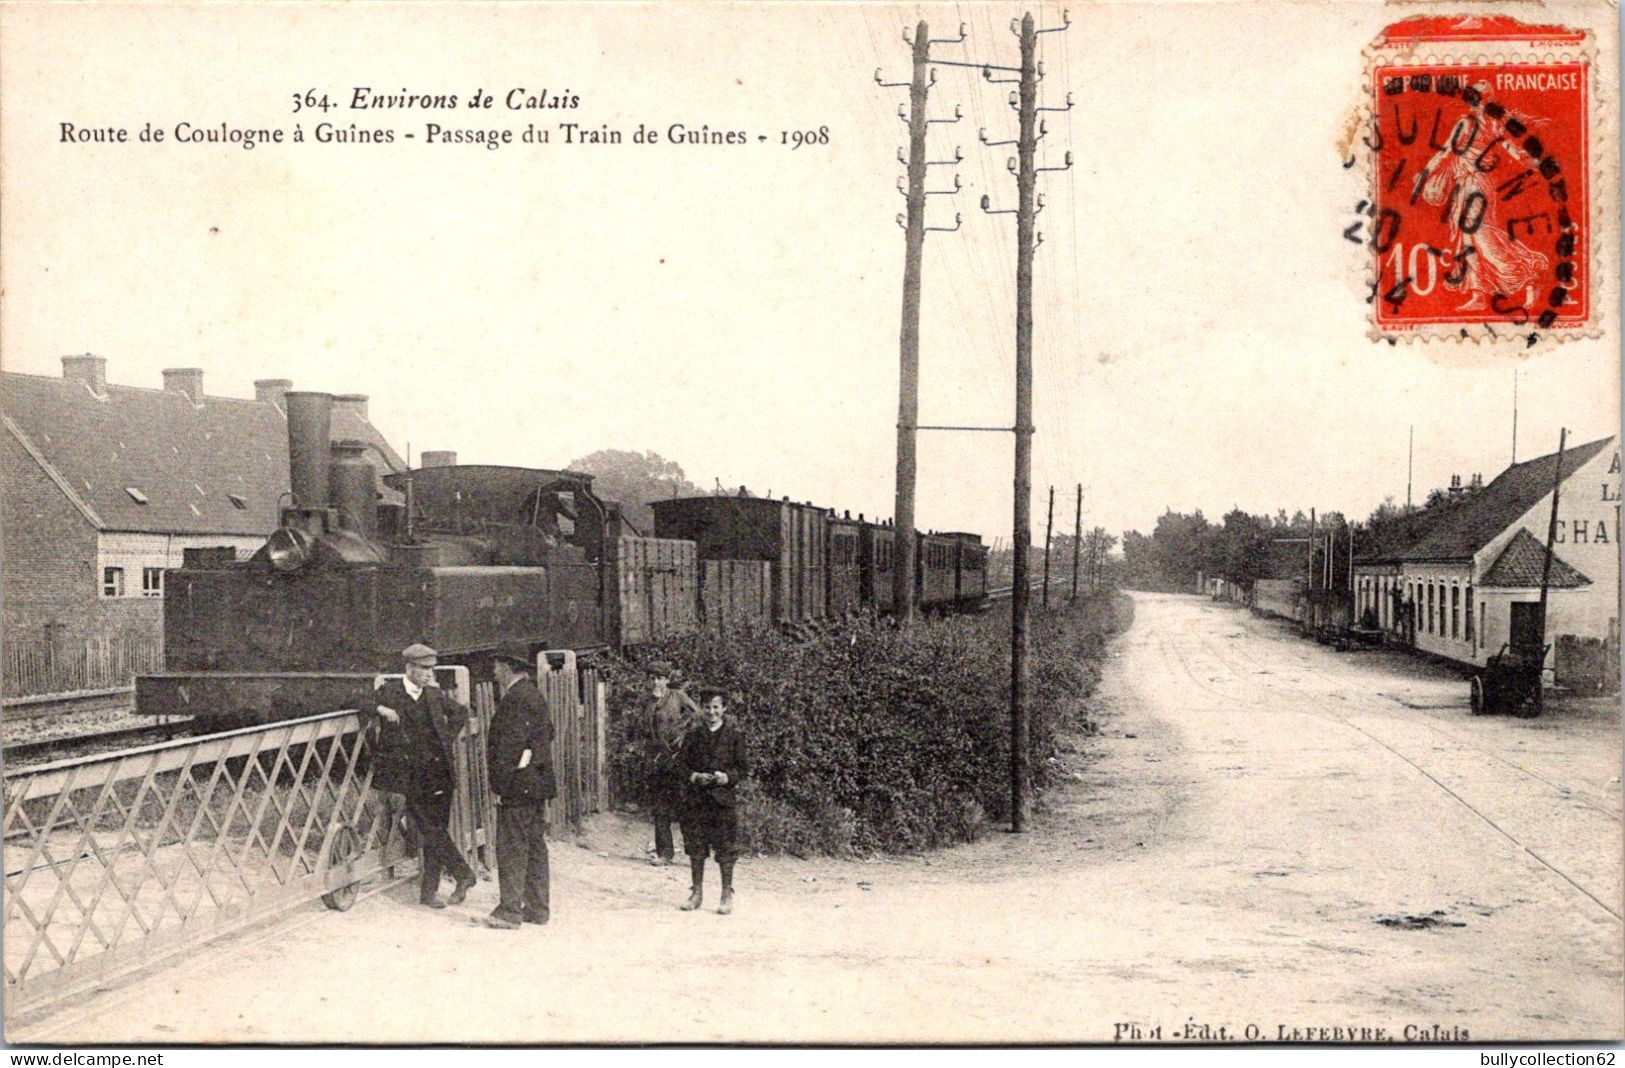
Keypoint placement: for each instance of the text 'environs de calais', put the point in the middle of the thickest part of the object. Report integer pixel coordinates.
(362, 98)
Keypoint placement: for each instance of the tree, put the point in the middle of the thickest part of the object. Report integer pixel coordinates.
(634, 479)
(1246, 541)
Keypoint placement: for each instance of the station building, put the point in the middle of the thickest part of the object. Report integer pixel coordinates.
(1465, 582)
(105, 486)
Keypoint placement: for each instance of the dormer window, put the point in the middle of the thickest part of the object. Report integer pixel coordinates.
(136, 495)
(238, 501)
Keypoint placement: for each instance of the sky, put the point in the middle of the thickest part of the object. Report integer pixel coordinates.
(1200, 317)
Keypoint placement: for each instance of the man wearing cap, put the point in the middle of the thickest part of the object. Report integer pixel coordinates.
(519, 752)
(417, 726)
(671, 714)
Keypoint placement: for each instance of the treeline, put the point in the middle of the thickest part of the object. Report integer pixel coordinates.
(1185, 546)
(1098, 567)
(1242, 548)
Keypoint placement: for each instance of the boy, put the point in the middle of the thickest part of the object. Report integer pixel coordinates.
(711, 763)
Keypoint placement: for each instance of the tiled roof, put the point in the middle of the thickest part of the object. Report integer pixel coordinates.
(1466, 528)
(183, 462)
(1520, 563)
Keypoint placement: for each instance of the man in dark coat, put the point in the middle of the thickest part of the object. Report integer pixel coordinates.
(711, 764)
(519, 752)
(671, 713)
(417, 726)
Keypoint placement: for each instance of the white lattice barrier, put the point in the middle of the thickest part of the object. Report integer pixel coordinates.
(117, 861)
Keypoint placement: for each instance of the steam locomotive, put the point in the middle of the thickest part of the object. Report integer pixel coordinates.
(467, 557)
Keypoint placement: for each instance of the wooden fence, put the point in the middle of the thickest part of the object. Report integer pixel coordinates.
(38, 666)
(735, 593)
(1588, 666)
(578, 702)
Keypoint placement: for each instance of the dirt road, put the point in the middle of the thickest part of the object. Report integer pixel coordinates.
(1268, 838)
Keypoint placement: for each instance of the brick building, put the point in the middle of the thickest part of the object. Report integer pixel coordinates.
(105, 486)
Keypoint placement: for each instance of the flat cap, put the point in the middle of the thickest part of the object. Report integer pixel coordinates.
(516, 653)
(418, 653)
(660, 669)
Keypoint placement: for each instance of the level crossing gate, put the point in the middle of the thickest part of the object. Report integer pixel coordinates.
(120, 861)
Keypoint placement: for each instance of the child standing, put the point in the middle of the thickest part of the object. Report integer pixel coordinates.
(711, 763)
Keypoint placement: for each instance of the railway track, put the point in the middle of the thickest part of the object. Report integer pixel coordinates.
(90, 743)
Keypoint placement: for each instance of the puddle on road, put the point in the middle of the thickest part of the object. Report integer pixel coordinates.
(1412, 922)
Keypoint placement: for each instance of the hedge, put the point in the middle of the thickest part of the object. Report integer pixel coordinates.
(873, 738)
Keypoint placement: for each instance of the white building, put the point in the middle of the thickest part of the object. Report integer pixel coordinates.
(1468, 584)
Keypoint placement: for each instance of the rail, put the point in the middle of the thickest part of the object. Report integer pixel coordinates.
(38, 750)
(118, 861)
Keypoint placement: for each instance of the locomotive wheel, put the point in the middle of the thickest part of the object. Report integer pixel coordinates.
(1476, 697)
(344, 848)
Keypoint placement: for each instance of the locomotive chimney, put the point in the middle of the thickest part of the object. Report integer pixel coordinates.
(354, 491)
(310, 428)
(441, 458)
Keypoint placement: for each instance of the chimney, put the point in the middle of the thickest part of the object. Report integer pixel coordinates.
(187, 380)
(309, 448)
(270, 390)
(440, 458)
(1455, 485)
(354, 403)
(91, 370)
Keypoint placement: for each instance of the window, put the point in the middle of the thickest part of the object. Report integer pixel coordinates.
(1432, 612)
(112, 582)
(1455, 611)
(238, 501)
(1469, 600)
(152, 582)
(136, 495)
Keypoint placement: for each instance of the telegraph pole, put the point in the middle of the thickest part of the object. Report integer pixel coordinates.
(1077, 541)
(1551, 531)
(1410, 457)
(1514, 415)
(1049, 527)
(914, 230)
(1025, 101)
(1022, 521)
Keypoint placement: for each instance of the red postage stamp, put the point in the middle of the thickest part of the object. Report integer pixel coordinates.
(1480, 160)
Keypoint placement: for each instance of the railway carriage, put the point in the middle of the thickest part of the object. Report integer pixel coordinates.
(970, 568)
(879, 560)
(935, 559)
(845, 566)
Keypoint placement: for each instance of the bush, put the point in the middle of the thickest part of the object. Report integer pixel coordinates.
(875, 738)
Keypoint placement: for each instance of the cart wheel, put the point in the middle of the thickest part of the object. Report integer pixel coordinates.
(344, 849)
(1476, 698)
